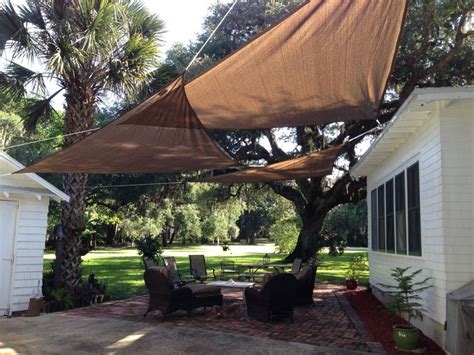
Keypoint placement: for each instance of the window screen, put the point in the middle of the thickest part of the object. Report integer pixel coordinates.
(374, 219)
(400, 214)
(381, 217)
(389, 215)
(413, 208)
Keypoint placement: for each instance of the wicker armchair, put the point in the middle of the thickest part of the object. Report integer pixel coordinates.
(149, 263)
(305, 285)
(172, 266)
(296, 267)
(164, 296)
(274, 300)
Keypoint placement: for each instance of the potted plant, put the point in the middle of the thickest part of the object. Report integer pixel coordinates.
(357, 265)
(149, 248)
(406, 302)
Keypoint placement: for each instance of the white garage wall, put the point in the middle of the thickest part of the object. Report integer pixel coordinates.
(30, 243)
(457, 149)
(423, 146)
(443, 146)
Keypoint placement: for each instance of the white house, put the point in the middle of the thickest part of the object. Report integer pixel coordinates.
(420, 193)
(24, 202)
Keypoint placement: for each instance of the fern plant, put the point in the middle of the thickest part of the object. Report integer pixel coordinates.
(357, 265)
(149, 247)
(406, 294)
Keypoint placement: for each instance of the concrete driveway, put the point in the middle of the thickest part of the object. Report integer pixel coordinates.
(63, 334)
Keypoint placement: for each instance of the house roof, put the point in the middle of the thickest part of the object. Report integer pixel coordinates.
(413, 113)
(28, 183)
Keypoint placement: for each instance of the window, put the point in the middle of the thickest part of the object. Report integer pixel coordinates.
(381, 219)
(413, 208)
(400, 216)
(373, 213)
(390, 216)
(395, 214)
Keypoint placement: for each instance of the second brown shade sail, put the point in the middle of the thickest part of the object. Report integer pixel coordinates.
(313, 165)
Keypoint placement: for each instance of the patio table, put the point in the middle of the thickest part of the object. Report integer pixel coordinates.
(280, 267)
(232, 284)
(252, 269)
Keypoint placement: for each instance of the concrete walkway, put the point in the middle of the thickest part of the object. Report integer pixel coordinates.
(63, 334)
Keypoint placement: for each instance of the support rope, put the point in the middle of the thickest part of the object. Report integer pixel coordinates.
(211, 35)
(135, 185)
(49, 139)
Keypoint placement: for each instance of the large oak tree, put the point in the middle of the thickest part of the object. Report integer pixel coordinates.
(435, 50)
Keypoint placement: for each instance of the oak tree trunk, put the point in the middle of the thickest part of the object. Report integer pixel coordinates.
(79, 116)
(309, 237)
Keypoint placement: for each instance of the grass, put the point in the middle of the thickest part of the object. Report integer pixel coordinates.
(122, 269)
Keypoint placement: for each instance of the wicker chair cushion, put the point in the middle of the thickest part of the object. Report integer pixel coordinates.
(304, 274)
(167, 274)
(205, 290)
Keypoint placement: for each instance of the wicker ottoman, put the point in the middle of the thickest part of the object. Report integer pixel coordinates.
(206, 295)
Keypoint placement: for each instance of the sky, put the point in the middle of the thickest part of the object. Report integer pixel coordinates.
(183, 18)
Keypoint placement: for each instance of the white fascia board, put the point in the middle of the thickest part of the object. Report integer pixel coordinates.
(419, 95)
(57, 194)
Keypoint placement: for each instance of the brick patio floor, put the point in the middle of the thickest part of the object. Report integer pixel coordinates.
(325, 324)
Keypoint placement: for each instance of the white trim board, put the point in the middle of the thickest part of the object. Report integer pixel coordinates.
(54, 192)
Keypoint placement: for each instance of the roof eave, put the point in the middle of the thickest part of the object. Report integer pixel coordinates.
(56, 194)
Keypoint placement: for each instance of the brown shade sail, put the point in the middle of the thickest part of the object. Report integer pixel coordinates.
(135, 144)
(328, 61)
(314, 165)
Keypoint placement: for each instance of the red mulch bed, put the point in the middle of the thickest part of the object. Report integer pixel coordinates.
(378, 322)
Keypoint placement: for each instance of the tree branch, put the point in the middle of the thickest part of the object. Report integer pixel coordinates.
(276, 150)
(290, 194)
(445, 60)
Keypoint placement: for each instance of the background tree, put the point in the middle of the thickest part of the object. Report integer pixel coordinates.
(435, 50)
(345, 225)
(87, 47)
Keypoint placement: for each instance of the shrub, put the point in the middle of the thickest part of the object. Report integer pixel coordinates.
(149, 247)
(285, 233)
(406, 294)
(357, 265)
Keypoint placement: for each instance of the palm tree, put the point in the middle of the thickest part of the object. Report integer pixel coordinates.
(89, 48)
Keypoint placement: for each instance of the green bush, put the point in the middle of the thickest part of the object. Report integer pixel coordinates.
(285, 234)
(406, 293)
(149, 247)
(358, 264)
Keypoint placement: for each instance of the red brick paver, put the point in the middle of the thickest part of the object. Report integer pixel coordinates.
(325, 324)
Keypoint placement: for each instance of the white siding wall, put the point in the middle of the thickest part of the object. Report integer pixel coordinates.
(30, 242)
(443, 146)
(423, 146)
(457, 149)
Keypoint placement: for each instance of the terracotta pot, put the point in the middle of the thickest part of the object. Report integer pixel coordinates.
(351, 284)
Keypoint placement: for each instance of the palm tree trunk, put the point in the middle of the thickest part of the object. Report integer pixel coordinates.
(79, 116)
(72, 218)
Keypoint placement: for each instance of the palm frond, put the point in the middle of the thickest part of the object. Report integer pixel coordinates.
(19, 80)
(133, 65)
(12, 26)
(32, 13)
(144, 23)
(38, 110)
(98, 24)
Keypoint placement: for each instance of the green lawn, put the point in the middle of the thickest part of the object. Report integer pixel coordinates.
(122, 269)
